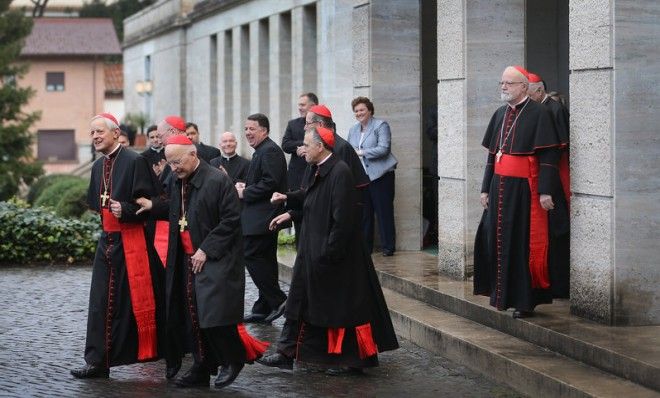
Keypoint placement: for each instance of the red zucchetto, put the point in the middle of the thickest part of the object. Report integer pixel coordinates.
(179, 139)
(534, 78)
(522, 71)
(108, 116)
(177, 122)
(327, 136)
(321, 110)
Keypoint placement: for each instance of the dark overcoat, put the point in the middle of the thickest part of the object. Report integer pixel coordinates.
(213, 215)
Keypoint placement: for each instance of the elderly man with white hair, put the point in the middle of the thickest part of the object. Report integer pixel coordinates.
(520, 179)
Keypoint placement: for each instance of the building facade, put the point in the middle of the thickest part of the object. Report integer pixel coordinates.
(435, 64)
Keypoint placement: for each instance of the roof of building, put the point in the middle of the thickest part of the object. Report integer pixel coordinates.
(72, 36)
(114, 78)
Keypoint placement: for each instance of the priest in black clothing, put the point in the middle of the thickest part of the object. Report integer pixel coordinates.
(335, 298)
(205, 272)
(292, 141)
(123, 301)
(266, 175)
(155, 154)
(204, 152)
(559, 251)
(518, 191)
(232, 163)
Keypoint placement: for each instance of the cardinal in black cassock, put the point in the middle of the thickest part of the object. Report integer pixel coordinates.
(124, 299)
(519, 186)
(205, 271)
(334, 296)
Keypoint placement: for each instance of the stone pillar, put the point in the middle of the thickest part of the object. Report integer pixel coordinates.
(198, 90)
(279, 26)
(396, 94)
(259, 60)
(452, 132)
(241, 84)
(614, 168)
(225, 83)
(361, 35)
(303, 51)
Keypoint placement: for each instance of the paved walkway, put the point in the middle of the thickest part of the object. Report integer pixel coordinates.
(42, 335)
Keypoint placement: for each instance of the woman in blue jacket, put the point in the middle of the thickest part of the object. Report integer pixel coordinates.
(372, 141)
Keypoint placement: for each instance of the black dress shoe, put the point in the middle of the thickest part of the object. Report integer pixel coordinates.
(341, 371)
(90, 372)
(193, 378)
(522, 314)
(228, 374)
(277, 360)
(255, 318)
(388, 253)
(276, 313)
(172, 368)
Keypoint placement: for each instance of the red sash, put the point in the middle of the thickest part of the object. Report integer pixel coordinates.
(139, 281)
(186, 242)
(528, 167)
(365, 340)
(565, 175)
(161, 238)
(254, 348)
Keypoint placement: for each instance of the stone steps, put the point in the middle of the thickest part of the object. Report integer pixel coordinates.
(526, 367)
(631, 353)
(552, 354)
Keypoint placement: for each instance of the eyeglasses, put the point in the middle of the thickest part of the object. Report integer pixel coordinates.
(310, 123)
(508, 83)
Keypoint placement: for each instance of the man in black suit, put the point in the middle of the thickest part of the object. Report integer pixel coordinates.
(234, 164)
(204, 152)
(155, 154)
(266, 175)
(292, 143)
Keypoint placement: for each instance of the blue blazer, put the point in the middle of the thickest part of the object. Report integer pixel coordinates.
(376, 147)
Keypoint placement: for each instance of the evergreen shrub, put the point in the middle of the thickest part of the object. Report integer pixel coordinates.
(52, 195)
(36, 235)
(38, 186)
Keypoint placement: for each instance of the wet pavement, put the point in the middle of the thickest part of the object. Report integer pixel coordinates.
(42, 335)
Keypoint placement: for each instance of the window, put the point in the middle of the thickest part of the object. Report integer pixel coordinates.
(54, 81)
(56, 145)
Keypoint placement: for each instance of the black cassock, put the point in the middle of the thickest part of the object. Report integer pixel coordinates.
(236, 166)
(502, 245)
(112, 337)
(334, 284)
(203, 309)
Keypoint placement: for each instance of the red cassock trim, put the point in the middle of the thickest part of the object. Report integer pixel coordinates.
(528, 167)
(565, 175)
(335, 340)
(161, 240)
(186, 242)
(254, 348)
(139, 281)
(366, 344)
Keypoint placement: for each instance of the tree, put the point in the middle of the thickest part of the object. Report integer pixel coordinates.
(118, 11)
(16, 160)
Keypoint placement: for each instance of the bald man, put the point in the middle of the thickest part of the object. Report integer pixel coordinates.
(233, 164)
(205, 272)
(521, 175)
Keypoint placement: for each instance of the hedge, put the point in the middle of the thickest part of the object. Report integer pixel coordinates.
(52, 195)
(74, 201)
(44, 182)
(34, 235)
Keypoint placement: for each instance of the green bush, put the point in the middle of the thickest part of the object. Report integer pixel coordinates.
(74, 201)
(283, 238)
(44, 182)
(32, 235)
(52, 195)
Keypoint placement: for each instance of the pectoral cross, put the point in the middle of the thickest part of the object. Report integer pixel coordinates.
(104, 198)
(498, 156)
(183, 223)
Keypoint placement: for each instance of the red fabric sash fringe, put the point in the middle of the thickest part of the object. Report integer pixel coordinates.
(335, 340)
(528, 167)
(565, 175)
(254, 348)
(161, 239)
(139, 281)
(366, 345)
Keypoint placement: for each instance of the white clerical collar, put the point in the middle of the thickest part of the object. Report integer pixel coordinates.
(113, 151)
(323, 161)
(157, 150)
(229, 157)
(545, 98)
(523, 100)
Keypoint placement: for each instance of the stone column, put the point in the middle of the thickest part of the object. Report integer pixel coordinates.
(303, 51)
(452, 132)
(361, 39)
(279, 26)
(259, 60)
(241, 84)
(198, 90)
(614, 168)
(396, 94)
(225, 83)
